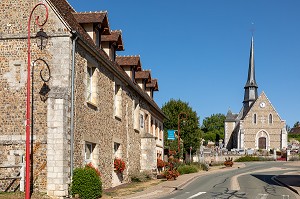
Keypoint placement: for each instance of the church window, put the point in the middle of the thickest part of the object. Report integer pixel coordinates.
(270, 119)
(254, 118)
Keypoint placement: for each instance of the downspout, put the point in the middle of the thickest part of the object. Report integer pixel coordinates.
(74, 38)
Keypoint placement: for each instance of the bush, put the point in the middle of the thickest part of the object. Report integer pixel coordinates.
(141, 176)
(185, 169)
(201, 166)
(248, 158)
(86, 183)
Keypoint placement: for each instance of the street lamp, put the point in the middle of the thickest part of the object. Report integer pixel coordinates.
(27, 153)
(181, 117)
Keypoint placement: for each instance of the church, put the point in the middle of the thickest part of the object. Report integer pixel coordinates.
(258, 125)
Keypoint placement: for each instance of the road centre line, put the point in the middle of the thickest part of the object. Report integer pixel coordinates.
(197, 194)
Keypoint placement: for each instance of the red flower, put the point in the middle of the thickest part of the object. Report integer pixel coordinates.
(119, 165)
(91, 166)
(160, 163)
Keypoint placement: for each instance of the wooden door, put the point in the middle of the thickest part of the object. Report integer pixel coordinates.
(262, 143)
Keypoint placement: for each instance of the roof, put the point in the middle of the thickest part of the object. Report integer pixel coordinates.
(153, 84)
(65, 10)
(93, 17)
(143, 75)
(114, 36)
(295, 130)
(129, 61)
(230, 117)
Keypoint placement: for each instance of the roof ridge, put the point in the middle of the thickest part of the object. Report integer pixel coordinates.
(71, 6)
(96, 12)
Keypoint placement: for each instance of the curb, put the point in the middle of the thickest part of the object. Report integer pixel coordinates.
(286, 185)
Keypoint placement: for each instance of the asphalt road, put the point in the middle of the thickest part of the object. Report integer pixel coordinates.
(255, 181)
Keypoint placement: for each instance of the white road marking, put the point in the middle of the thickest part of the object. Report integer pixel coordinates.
(234, 180)
(198, 194)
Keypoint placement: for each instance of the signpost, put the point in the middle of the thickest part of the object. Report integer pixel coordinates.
(171, 134)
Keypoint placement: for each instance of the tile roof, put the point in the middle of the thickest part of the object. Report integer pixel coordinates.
(66, 11)
(143, 75)
(115, 36)
(295, 130)
(93, 17)
(129, 61)
(90, 17)
(153, 84)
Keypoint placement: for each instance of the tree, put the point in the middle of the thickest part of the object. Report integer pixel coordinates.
(190, 132)
(296, 124)
(213, 127)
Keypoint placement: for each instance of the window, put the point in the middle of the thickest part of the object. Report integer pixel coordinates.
(136, 116)
(89, 148)
(254, 118)
(270, 119)
(91, 84)
(118, 101)
(117, 150)
(141, 120)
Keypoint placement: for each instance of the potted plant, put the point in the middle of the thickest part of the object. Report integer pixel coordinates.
(119, 165)
(228, 162)
(160, 165)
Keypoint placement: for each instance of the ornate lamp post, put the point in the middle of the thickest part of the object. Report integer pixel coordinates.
(41, 39)
(181, 117)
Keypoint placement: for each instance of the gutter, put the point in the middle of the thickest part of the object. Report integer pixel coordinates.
(74, 39)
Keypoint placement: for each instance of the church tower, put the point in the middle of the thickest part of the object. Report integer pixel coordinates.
(251, 87)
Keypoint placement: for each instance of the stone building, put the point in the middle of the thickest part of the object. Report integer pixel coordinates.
(258, 125)
(100, 106)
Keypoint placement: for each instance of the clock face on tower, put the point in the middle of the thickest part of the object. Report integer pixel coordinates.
(262, 105)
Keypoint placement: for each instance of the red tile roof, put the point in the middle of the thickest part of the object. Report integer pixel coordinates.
(66, 12)
(129, 61)
(143, 75)
(93, 17)
(153, 84)
(115, 36)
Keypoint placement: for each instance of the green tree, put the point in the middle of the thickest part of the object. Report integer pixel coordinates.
(190, 132)
(213, 127)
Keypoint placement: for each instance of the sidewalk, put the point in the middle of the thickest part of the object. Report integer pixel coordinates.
(291, 180)
(167, 187)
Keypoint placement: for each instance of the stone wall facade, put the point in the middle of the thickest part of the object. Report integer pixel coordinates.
(99, 135)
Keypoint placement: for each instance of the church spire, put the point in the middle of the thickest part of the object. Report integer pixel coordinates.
(251, 86)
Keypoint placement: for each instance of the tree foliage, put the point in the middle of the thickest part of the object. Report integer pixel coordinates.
(213, 127)
(190, 131)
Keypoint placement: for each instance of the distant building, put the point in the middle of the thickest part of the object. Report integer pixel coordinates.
(257, 125)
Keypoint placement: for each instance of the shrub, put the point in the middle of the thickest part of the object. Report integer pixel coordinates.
(185, 169)
(119, 165)
(141, 176)
(247, 158)
(201, 166)
(86, 183)
(171, 173)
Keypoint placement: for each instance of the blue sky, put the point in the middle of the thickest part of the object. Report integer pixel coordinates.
(199, 49)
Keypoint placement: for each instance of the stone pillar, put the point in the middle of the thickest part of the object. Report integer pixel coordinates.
(148, 153)
(57, 144)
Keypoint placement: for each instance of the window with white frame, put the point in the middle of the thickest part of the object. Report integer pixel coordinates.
(142, 122)
(136, 116)
(117, 150)
(91, 84)
(88, 153)
(118, 101)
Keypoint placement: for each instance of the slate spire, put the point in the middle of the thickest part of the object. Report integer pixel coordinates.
(251, 86)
